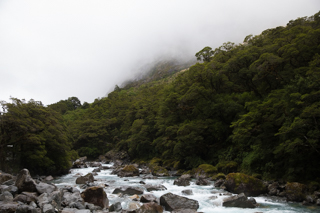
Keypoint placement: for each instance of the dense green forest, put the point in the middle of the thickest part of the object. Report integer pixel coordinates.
(255, 105)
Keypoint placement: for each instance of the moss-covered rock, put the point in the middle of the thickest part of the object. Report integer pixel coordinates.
(227, 167)
(218, 176)
(159, 171)
(296, 191)
(205, 170)
(128, 171)
(241, 183)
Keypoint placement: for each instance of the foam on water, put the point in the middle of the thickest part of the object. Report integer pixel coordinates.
(210, 198)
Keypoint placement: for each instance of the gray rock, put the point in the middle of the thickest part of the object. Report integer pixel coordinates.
(150, 187)
(273, 188)
(24, 182)
(8, 207)
(26, 197)
(116, 207)
(184, 180)
(6, 197)
(5, 177)
(45, 188)
(80, 163)
(173, 202)
(96, 196)
(12, 189)
(69, 197)
(26, 209)
(184, 211)
(240, 201)
(219, 183)
(147, 198)
(47, 208)
(187, 192)
(84, 179)
(128, 190)
(202, 181)
(151, 207)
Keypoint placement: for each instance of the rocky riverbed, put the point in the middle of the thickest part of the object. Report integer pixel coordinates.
(124, 187)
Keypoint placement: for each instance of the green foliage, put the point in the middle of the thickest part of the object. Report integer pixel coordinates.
(35, 138)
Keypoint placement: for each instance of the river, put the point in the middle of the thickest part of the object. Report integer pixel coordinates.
(209, 197)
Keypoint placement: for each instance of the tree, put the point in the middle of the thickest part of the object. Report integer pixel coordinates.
(205, 54)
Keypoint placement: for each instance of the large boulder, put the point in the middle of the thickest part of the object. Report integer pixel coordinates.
(84, 179)
(151, 187)
(240, 201)
(128, 190)
(96, 196)
(296, 191)
(4, 177)
(202, 181)
(173, 202)
(128, 171)
(241, 183)
(184, 180)
(46, 188)
(147, 198)
(68, 198)
(80, 163)
(24, 182)
(151, 207)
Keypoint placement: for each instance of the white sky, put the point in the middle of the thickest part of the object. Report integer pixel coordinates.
(52, 50)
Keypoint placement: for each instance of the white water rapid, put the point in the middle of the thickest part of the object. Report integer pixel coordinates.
(209, 197)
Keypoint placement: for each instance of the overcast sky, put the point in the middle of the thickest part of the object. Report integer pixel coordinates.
(52, 50)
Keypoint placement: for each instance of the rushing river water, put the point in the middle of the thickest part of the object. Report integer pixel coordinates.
(209, 197)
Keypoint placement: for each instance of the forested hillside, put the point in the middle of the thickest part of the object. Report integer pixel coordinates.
(254, 105)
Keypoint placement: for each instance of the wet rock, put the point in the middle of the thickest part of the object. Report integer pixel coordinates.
(80, 163)
(5, 177)
(24, 182)
(96, 170)
(296, 191)
(94, 164)
(149, 176)
(96, 196)
(147, 198)
(202, 181)
(184, 180)
(187, 192)
(173, 202)
(150, 187)
(84, 179)
(128, 190)
(151, 207)
(318, 202)
(219, 183)
(134, 197)
(240, 201)
(116, 207)
(128, 171)
(241, 183)
(133, 206)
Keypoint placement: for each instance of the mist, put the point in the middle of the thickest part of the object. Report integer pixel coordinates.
(52, 50)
